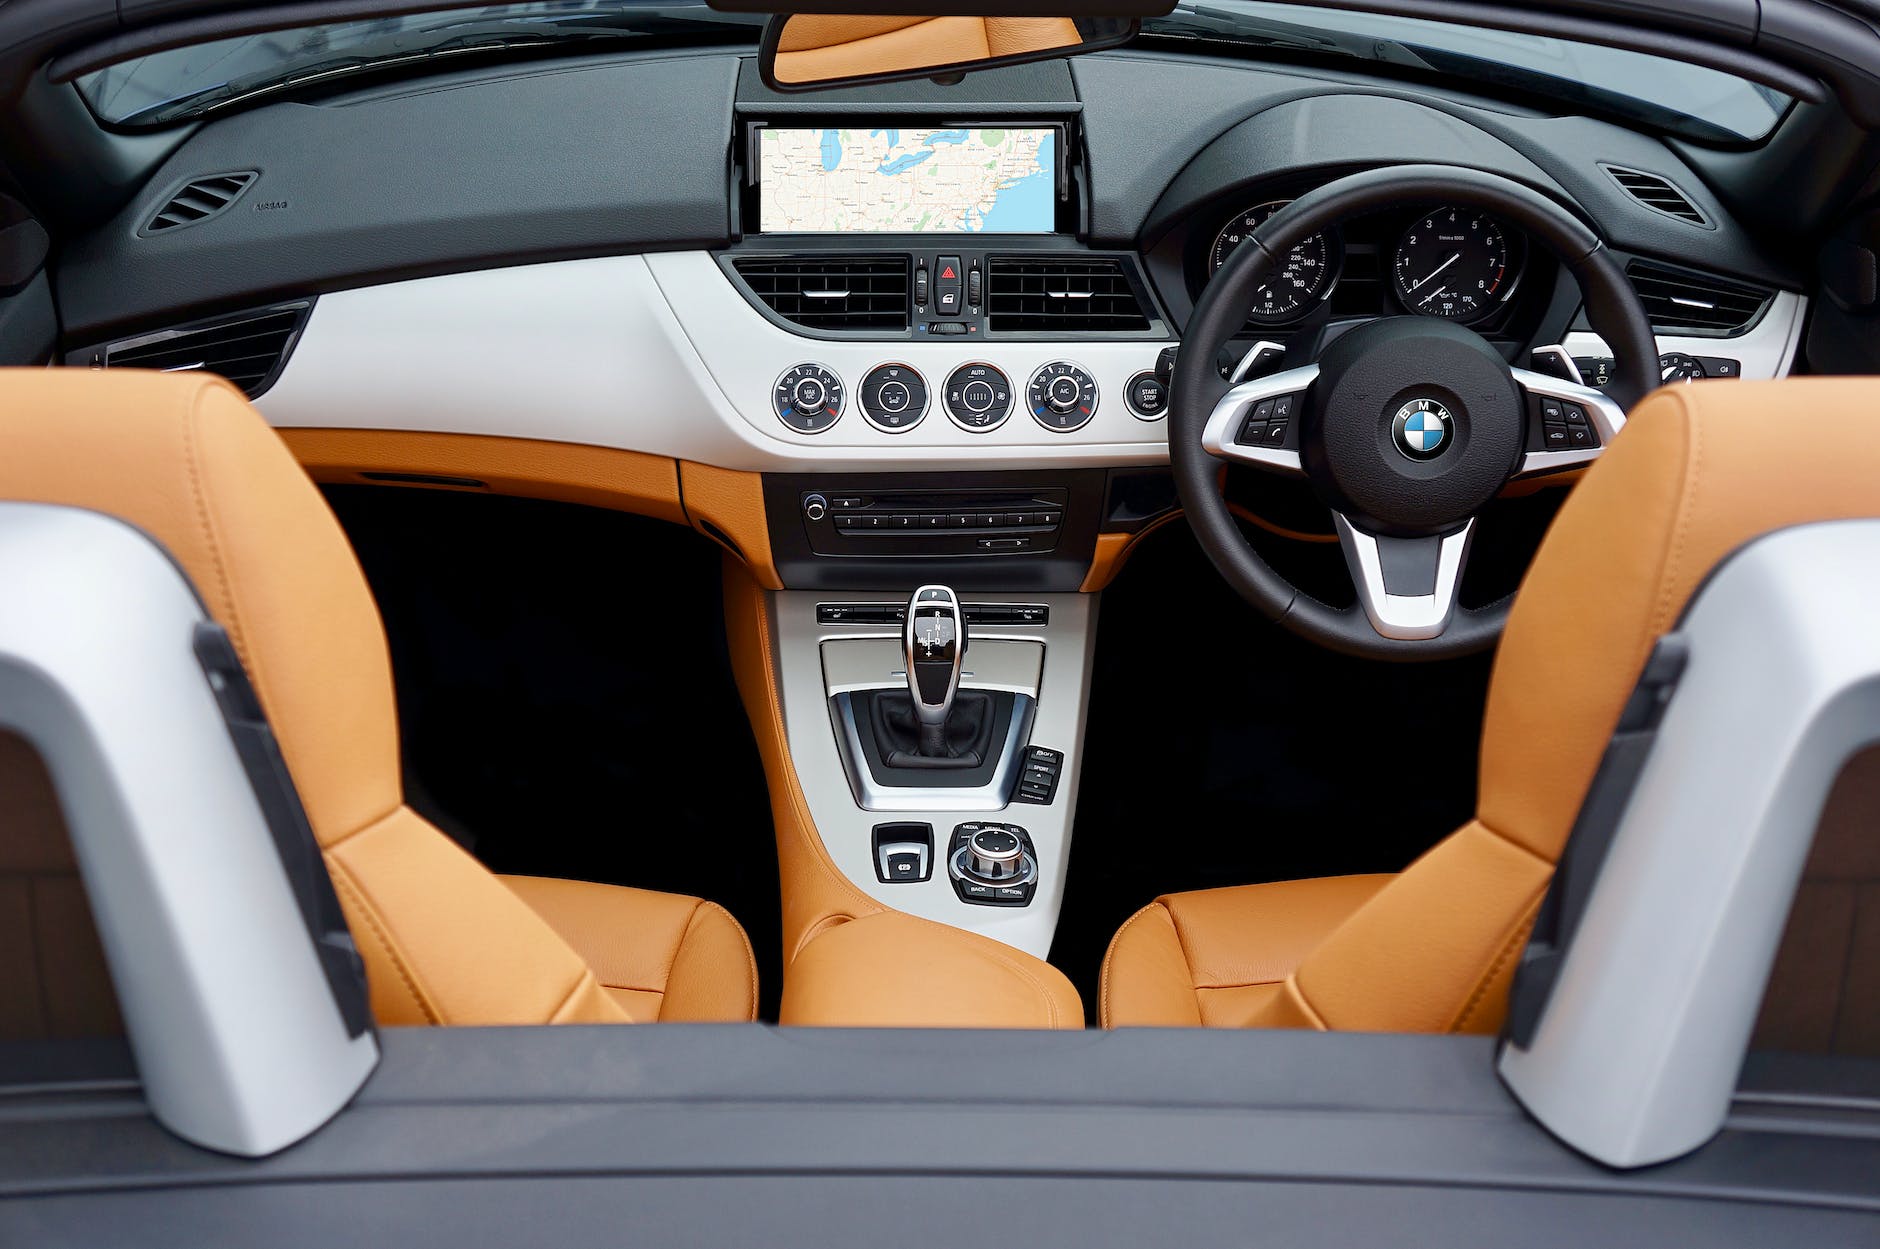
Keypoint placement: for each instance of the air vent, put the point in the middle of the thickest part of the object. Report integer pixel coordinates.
(1052, 295)
(200, 200)
(1658, 194)
(832, 292)
(248, 349)
(1681, 302)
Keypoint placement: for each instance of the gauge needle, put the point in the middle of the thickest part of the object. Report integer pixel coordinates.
(1439, 268)
(1432, 295)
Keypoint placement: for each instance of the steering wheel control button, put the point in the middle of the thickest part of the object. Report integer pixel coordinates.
(1270, 423)
(978, 397)
(993, 864)
(1062, 397)
(1423, 429)
(1146, 397)
(894, 398)
(808, 398)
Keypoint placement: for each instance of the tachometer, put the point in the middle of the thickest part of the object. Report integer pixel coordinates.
(1454, 263)
(1302, 280)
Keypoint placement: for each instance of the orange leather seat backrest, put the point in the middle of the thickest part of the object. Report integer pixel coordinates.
(1699, 471)
(185, 459)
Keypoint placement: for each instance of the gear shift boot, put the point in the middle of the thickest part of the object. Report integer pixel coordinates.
(964, 741)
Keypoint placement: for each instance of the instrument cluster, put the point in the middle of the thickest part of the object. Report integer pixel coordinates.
(1445, 261)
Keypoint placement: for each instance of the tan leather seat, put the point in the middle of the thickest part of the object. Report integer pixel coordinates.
(815, 47)
(187, 461)
(1699, 471)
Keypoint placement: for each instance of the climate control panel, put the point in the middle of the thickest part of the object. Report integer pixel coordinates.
(1062, 397)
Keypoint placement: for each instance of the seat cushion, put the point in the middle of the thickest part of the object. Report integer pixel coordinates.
(1219, 957)
(661, 957)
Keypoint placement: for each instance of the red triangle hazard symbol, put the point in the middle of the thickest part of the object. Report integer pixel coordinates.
(948, 273)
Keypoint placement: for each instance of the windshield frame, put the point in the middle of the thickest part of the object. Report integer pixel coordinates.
(366, 56)
(1553, 94)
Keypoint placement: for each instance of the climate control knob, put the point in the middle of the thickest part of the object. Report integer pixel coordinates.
(1063, 397)
(978, 397)
(808, 398)
(894, 398)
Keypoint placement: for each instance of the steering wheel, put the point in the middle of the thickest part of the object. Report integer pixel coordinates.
(1406, 427)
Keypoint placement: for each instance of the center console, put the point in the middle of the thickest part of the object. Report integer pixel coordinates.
(936, 737)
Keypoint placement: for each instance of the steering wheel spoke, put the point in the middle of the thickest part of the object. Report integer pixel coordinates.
(1570, 425)
(1407, 586)
(1257, 422)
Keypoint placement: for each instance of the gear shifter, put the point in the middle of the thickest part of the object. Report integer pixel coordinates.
(935, 642)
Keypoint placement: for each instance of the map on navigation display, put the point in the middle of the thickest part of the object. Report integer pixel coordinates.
(908, 181)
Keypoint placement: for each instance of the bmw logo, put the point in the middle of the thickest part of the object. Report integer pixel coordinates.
(1422, 429)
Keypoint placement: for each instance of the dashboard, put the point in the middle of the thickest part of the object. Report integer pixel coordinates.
(765, 284)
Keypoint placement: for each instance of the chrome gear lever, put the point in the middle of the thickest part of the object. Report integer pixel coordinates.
(935, 645)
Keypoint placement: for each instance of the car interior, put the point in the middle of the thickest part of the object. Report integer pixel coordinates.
(936, 522)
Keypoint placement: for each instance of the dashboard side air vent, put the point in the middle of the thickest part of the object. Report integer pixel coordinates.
(248, 349)
(1658, 194)
(1679, 301)
(200, 200)
(1052, 295)
(838, 293)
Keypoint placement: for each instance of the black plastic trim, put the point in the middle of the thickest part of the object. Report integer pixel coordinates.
(286, 818)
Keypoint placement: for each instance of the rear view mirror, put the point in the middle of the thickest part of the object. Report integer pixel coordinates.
(816, 51)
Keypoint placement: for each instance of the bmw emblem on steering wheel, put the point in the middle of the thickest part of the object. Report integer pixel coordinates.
(1422, 429)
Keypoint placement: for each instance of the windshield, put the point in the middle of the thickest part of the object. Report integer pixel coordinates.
(1667, 96)
(188, 82)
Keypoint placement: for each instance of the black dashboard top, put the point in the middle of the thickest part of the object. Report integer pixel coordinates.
(634, 153)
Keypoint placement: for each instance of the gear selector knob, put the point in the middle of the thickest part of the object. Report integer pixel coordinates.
(935, 642)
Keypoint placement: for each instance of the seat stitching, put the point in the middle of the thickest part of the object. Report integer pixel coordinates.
(1517, 937)
(750, 955)
(342, 875)
(191, 413)
(1103, 983)
(567, 999)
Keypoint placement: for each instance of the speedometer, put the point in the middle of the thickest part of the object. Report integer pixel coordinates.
(1302, 280)
(1454, 263)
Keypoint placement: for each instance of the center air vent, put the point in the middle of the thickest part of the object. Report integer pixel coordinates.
(1658, 194)
(1048, 294)
(832, 292)
(200, 200)
(1681, 302)
(248, 349)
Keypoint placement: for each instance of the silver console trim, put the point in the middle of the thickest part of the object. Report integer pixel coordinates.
(847, 831)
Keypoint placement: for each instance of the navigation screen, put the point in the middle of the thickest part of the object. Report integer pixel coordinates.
(908, 181)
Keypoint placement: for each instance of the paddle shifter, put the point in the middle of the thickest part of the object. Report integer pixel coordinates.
(936, 648)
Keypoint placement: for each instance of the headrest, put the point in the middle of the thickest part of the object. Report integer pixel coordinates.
(185, 459)
(1699, 471)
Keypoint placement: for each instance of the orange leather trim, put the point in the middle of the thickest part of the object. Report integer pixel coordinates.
(818, 47)
(1219, 956)
(838, 942)
(624, 481)
(660, 956)
(857, 975)
(733, 503)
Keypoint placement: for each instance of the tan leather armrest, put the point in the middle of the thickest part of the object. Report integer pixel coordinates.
(891, 970)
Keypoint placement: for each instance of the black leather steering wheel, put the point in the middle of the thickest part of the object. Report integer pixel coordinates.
(1406, 427)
